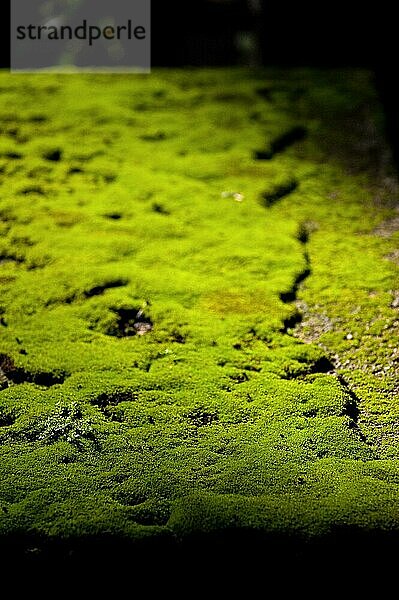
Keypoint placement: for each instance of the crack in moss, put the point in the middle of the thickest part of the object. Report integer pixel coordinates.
(323, 364)
(291, 295)
(12, 374)
(271, 197)
(98, 290)
(282, 143)
(130, 322)
(351, 408)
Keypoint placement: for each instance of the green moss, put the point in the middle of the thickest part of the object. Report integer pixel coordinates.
(156, 378)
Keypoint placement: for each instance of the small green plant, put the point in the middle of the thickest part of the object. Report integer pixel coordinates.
(67, 424)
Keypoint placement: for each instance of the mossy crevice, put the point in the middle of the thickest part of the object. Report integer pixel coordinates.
(107, 402)
(10, 373)
(271, 197)
(282, 143)
(7, 417)
(114, 216)
(291, 295)
(98, 290)
(9, 257)
(130, 322)
(352, 407)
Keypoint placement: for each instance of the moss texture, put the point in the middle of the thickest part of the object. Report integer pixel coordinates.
(198, 306)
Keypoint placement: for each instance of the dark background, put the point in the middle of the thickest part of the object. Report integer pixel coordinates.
(288, 34)
(322, 34)
(328, 34)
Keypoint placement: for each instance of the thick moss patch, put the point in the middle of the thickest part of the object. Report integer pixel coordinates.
(198, 312)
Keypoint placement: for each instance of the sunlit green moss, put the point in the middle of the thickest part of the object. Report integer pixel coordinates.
(143, 193)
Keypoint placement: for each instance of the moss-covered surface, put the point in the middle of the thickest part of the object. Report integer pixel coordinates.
(198, 307)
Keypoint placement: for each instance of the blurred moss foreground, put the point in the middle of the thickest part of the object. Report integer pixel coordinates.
(199, 308)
